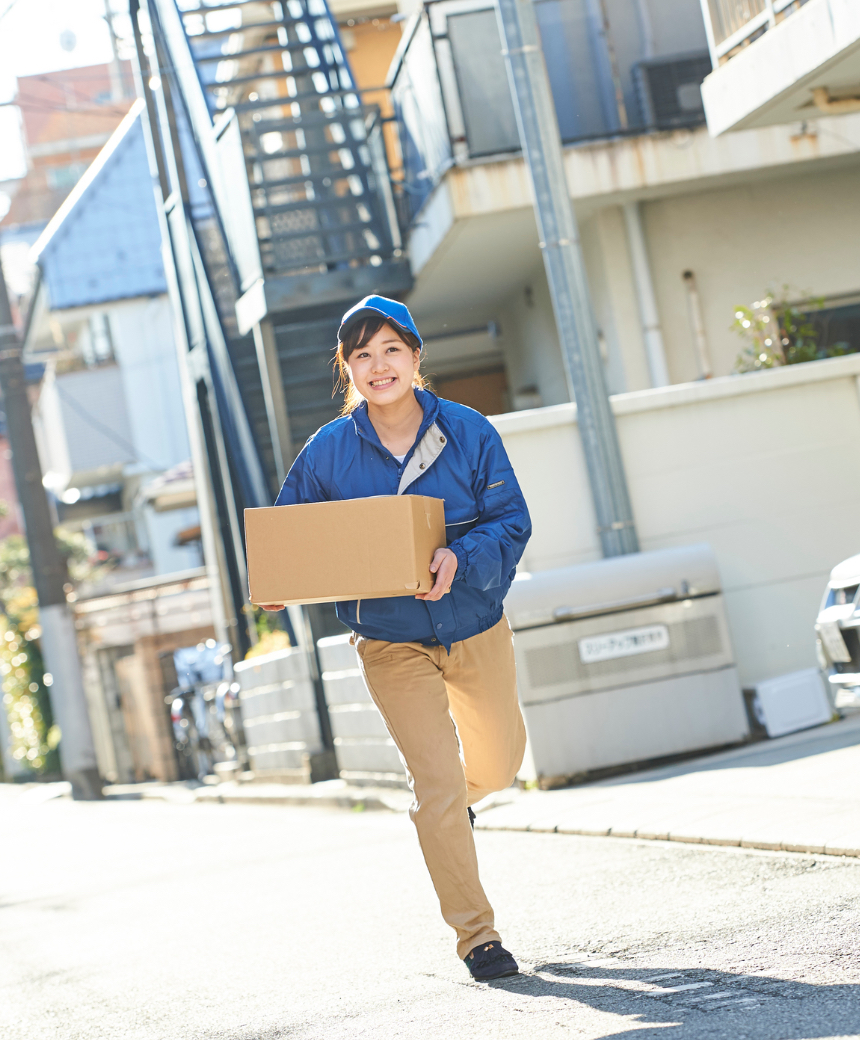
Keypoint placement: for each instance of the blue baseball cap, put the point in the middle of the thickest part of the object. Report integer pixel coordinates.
(379, 307)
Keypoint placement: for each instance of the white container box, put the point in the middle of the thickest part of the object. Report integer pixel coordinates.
(793, 702)
(624, 660)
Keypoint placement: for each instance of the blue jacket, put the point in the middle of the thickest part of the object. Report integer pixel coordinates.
(457, 456)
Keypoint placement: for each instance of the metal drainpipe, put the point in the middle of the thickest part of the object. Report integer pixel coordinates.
(565, 268)
(646, 28)
(614, 71)
(648, 314)
(700, 340)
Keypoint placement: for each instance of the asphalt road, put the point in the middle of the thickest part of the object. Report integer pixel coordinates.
(151, 921)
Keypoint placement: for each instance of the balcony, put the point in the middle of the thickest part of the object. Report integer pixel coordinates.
(780, 61)
(734, 24)
(611, 77)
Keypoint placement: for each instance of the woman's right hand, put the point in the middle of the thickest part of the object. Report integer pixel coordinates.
(270, 606)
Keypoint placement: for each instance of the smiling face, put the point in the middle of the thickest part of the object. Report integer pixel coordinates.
(383, 369)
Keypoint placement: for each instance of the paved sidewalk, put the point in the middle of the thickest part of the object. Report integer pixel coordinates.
(799, 793)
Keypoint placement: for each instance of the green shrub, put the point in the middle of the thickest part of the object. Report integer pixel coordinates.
(780, 333)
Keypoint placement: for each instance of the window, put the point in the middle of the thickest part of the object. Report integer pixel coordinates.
(96, 341)
(838, 326)
(62, 178)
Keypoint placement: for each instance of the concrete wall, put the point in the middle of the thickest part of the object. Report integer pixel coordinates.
(765, 467)
(613, 297)
(530, 341)
(279, 714)
(797, 229)
(771, 81)
(740, 241)
(753, 210)
(676, 27)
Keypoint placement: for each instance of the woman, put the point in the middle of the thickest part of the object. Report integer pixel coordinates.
(448, 652)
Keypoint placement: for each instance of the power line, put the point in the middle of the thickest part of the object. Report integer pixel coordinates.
(8, 9)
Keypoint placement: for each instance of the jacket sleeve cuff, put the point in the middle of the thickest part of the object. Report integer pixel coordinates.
(462, 560)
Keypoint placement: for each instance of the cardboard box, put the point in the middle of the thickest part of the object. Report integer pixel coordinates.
(361, 548)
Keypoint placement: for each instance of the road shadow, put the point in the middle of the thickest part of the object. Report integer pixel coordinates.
(724, 1004)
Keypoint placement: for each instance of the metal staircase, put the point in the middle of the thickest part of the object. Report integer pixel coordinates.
(318, 198)
(295, 165)
(277, 215)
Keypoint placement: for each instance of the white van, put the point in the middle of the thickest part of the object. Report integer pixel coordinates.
(838, 630)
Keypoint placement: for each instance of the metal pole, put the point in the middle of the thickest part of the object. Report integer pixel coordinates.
(565, 270)
(59, 640)
(117, 87)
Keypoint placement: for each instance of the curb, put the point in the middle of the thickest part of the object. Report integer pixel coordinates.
(745, 843)
(361, 803)
(357, 800)
(391, 800)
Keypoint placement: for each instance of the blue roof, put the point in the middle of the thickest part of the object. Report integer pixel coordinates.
(104, 243)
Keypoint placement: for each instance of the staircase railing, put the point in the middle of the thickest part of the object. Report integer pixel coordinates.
(317, 181)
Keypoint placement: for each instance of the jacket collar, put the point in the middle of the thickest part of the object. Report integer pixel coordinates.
(364, 427)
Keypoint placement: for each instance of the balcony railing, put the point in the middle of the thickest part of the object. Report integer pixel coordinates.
(733, 24)
(452, 101)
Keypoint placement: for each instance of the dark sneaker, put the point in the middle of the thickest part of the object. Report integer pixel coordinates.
(471, 817)
(491, 961)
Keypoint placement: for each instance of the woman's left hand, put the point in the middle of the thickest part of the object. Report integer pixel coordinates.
(444, 566)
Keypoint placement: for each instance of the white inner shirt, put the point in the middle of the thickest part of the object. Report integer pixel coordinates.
(400, 458)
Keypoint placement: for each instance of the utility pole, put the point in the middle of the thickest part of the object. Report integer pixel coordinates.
(59, 642)
(117, 87)
(565, 268)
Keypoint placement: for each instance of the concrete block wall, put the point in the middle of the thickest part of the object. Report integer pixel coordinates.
(279, 713)
(365, 752)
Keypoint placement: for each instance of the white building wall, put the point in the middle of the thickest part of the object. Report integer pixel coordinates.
(94, 410)
(162, 528)
(796, 230)
(610, 278)
(81, 426)
(144, 348)
(750, 210)
(50, 435)
(530, 341)
(765, 467)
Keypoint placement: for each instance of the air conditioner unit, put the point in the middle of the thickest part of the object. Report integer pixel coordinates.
(624, 660)
(670, 89)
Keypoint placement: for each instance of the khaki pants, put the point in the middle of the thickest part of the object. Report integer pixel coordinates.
(418, 689)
